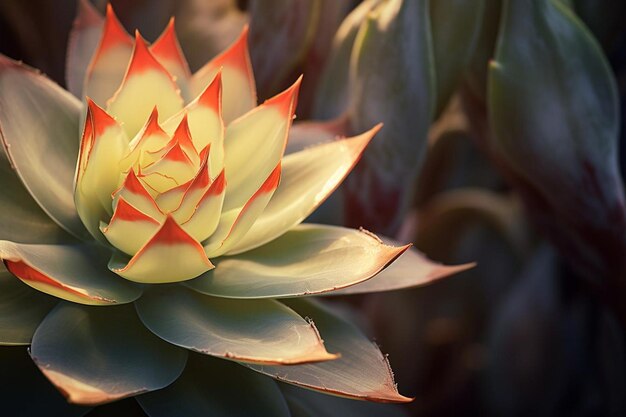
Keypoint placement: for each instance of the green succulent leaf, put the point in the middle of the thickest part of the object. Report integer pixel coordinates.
(455, 27)
(38, 127)
(22, 219)
(255, 331)
(412, 269)
(307, 403)
(76, 272)
(309, 259)
(362, 372)
(98, 355)
(21, 310)
(216, 388)
(554, 109)
(332, 96)
(26, 392)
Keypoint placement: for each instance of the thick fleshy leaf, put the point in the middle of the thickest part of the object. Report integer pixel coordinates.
(38, 125)
(146, 84)
(145, 146)
(129, 228)
(309, 133)
(21, 310)
(108, 65)
(26, 392)
(134, 192)
(204, 116)
(167, 51)
(75, 273)
(83, 41)
(254, 331)
(307, 403)
(234, 224)
(97, 178)
(554, 112)
(99, 355)
(216, 388)
(412, 269)
(307, 260)
(455, 27)
(254, 144)
(308, 178)
(281, 32)
(379, 193)
(237, 78)
(206, 215)
(171, 255)
(362, 372)
(27, 223)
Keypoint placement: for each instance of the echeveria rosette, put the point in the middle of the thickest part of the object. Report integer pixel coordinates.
(161, 176)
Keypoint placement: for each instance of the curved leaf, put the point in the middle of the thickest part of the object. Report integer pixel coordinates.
(362, 372)
(216, 388)
(26, 392)
(38, 128)
(308, 178)
(21, 310)
(256, 331)
(99, 355)
(75, 273)
(23, 220)
(307, 403)
(309, 259)
(412, 269)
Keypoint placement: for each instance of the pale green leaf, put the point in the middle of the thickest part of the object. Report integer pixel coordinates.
(39, 130)
(99, 355)
(256, 331)
(362, 372)
(309, 259)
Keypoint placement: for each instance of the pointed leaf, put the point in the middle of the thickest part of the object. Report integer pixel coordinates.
(108, 65)
(22, 382)
(254, 144)
(83, 41)
(75, 273)
(308, 178)
(38, 125)
(237, 78)
(168, 52)
(255, 331)
(99, 355)
(129, 228)
(171, 255)
(309, 259)
(21, 310)
(362, 372)
(146, 84)
(237, 392)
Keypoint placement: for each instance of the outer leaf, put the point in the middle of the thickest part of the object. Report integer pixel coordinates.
(307, 403)
(38, 125)
(255, 331)
(21, 310)
(308, 178)
(99, 355)
(76, 273)
(412, 269)
(216, 388)
(395, 35)
(555, 114)
(83, 41)
(455, 28)
(26, 392)
(362, 372)
(23, 220)
(309, 259)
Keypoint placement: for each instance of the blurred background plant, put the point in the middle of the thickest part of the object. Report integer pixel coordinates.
(502, 138)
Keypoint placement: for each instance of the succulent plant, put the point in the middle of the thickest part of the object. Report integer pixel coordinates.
(170, 235)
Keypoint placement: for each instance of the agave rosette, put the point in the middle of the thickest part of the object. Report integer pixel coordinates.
(179, 179)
